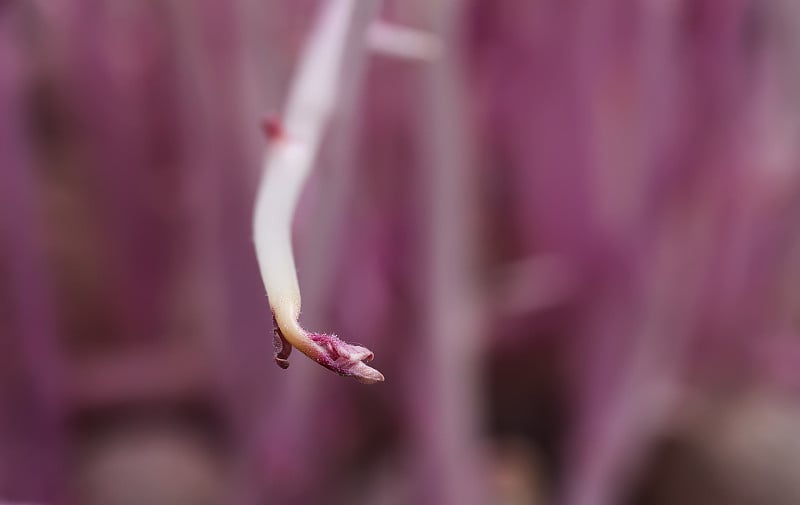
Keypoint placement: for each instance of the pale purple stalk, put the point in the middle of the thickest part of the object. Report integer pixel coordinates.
(449, 359)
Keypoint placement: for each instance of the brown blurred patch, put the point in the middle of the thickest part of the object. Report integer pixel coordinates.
(733, 451)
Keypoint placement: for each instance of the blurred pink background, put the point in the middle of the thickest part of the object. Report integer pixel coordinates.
(571, 237)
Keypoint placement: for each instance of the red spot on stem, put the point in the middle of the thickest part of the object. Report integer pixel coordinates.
(273, 128)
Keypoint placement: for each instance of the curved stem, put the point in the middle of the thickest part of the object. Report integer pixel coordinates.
(287, 164)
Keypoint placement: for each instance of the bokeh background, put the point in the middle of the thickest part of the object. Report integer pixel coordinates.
(572, 239)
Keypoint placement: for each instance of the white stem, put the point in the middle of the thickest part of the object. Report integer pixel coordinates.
(287, 165)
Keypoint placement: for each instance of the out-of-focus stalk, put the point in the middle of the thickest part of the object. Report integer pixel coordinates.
(453, 311)
(31, 396)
